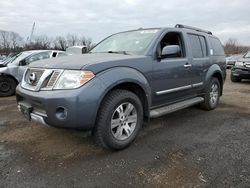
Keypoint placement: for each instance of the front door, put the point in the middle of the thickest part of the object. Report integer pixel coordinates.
(171, 75)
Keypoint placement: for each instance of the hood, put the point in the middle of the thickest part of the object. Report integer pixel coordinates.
(94, 62)
(2, 64)
(244, 60)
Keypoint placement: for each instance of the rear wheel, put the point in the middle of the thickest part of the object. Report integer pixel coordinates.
(7, 86)
(212, 96)
(235, 79)
(119, 120)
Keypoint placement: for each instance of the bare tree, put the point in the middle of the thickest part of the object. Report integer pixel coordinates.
(60, 43)
(41, 42)
(5, 41)
(16, 40)
(12, 42)
(72, 39)
(232, 46)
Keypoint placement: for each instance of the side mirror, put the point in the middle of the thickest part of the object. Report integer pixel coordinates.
(22, 62)
(170, 50)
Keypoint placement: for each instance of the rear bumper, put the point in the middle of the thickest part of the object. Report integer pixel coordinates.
(241, 72)
(66, 108)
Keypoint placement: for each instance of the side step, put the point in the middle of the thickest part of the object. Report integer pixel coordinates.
(175, 107)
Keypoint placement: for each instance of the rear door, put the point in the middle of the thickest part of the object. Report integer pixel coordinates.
(199, 60)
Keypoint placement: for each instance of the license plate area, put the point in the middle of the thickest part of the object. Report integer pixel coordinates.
(26, 109)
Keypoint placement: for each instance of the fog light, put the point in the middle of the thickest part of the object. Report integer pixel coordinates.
(61, 113)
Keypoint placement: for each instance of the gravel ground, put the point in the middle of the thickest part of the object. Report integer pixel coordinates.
(189, 148)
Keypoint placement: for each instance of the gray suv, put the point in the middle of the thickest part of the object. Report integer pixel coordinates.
(126, 79)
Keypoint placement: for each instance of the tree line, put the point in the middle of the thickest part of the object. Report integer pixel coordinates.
(232, 46)
(12, 42)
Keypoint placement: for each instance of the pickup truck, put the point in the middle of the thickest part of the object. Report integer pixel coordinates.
(124, 80)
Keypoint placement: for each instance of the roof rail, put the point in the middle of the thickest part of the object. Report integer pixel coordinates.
(193, 28)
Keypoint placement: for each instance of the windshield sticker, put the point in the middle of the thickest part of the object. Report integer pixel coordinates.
(149, 31)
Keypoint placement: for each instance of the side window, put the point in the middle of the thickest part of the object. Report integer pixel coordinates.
(60, 54)
(195, 46)
(203, 45)
(216, 46)
(172, 38)
(36, 57)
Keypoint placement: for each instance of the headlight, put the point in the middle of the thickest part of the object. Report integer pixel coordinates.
(239, 64)
(72, 79)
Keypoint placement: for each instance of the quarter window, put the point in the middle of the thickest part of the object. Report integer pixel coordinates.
(216, 46)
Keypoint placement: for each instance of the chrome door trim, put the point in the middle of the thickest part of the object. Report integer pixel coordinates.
(179, 88)
(198, 84)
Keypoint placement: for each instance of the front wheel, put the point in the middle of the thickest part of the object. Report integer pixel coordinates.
(119, 120)
(7, 86)
(212, 95)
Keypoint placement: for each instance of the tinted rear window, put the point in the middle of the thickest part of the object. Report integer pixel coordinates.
(196, 46)
(203, 45)
(216, 46)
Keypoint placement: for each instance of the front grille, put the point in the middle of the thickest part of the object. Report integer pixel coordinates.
(53, 79)
(40, 79)
(33, 81)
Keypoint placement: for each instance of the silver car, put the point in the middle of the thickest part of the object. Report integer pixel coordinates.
(12, 70)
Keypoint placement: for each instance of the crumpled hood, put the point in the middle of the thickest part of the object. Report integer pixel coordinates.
(95, 62)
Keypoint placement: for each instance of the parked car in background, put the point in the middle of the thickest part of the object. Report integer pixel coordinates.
(12, 69)
(241, 69)
(127, 78)
(231, 60)
(2, 58)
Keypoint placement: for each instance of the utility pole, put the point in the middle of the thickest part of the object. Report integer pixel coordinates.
(32, 32)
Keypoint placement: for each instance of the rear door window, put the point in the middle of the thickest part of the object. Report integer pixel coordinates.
(195, 46)
(203, 45)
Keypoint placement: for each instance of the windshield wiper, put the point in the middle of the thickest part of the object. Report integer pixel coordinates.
(118, 52)
(113, 52)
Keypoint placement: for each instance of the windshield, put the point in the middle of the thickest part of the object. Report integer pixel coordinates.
(133, 42)
(247, 55)
(20, 57)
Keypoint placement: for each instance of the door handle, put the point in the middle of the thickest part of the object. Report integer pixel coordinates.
(187, 65)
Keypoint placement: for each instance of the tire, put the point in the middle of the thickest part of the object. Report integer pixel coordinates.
(7, 86)
(125, 127)
(235, 79)
(212, 95)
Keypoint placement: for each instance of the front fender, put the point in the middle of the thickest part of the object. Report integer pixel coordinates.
(4, 70)
(115, 76)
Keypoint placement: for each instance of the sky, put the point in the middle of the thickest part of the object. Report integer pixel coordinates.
(99, 18)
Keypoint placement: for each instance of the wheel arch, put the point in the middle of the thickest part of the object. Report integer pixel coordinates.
(9, 76)
(216, 72)
(127, 79)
